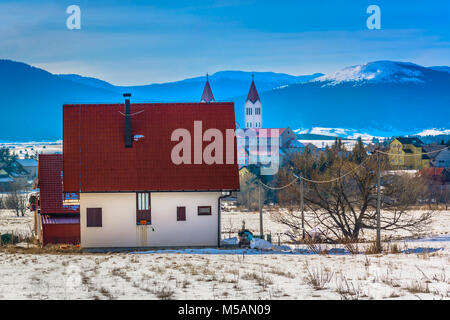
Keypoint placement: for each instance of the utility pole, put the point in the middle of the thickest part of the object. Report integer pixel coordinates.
(379, 204)
(261, 230)
(302, 205)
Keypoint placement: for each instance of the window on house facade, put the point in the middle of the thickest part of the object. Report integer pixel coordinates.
(93, 217)
(181, 213)
(143, 208)
(258, 111)
(204, 210)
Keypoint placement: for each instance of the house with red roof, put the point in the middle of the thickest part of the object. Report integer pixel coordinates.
(150, 174)
(57, 215)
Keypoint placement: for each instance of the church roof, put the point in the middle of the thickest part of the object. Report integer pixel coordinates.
(207, 95)
(252, 93)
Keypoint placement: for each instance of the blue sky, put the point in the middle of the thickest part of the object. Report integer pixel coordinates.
(141, 42)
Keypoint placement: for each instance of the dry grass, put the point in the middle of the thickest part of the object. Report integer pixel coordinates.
(351, 245)
(372, 248)
(164, 293)
(261, 280)
(417, 287)
(48, 249)
(347, 290)
(317, 278)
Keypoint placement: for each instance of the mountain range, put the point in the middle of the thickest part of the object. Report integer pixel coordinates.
(381, 98)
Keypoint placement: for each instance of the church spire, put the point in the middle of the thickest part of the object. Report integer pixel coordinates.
(253, 107)
(253, 93)
(207, 95)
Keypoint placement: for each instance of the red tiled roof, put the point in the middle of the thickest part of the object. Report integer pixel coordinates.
(50, 184)
(96, 160)
(207, 95)
(60, 220)
(253, 93)
(431, 171)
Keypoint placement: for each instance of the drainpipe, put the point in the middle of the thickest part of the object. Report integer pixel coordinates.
(219, 225)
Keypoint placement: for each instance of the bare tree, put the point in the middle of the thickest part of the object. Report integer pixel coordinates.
(344, 207)
(247, 197)
(16, 199)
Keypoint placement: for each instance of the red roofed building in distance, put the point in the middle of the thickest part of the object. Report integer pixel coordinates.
(118, 157)
(57, 221)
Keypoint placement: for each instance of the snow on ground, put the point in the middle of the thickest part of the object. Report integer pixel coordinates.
(210, 273)
(232, 222)
(224, 276)
(11, 223)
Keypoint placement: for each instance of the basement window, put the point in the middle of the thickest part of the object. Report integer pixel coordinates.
(143, 208)
(181, 213)
(93, 217)
(204, 210)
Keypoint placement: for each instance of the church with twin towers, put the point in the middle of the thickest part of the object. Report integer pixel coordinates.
(252, 107)
(255, 143)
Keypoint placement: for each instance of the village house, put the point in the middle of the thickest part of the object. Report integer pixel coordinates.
(407, 153)
(30, 166)
(439, 155)
(5, 180)
(55, 220)
(442, 159)
(118, 158)
(12, 176)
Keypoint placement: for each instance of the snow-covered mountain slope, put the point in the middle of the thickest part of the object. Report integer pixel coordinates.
(433, 132)
(377, 72)
(344, 133)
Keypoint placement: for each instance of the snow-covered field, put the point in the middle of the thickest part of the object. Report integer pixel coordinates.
(10, 223)
(32, 148)
(238, 274)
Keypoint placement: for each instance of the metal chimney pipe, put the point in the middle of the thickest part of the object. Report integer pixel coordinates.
(128, 138)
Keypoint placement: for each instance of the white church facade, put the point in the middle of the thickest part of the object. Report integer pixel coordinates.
(253, 108)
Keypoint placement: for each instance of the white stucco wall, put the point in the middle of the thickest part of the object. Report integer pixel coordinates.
(443, 159)
(119, 227)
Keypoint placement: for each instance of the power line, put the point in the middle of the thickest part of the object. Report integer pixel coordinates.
(410, 155)
(315, 181)
(349, 172)
(131, 114)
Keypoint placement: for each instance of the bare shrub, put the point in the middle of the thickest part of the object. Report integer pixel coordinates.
(418, 287)
(248, 196)
(315, 246)
(351, 245)
(372, 248)
(317, 278)
(16, 200)
(347, 290)
(394, 248)
(164, 293)
(261, 280)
